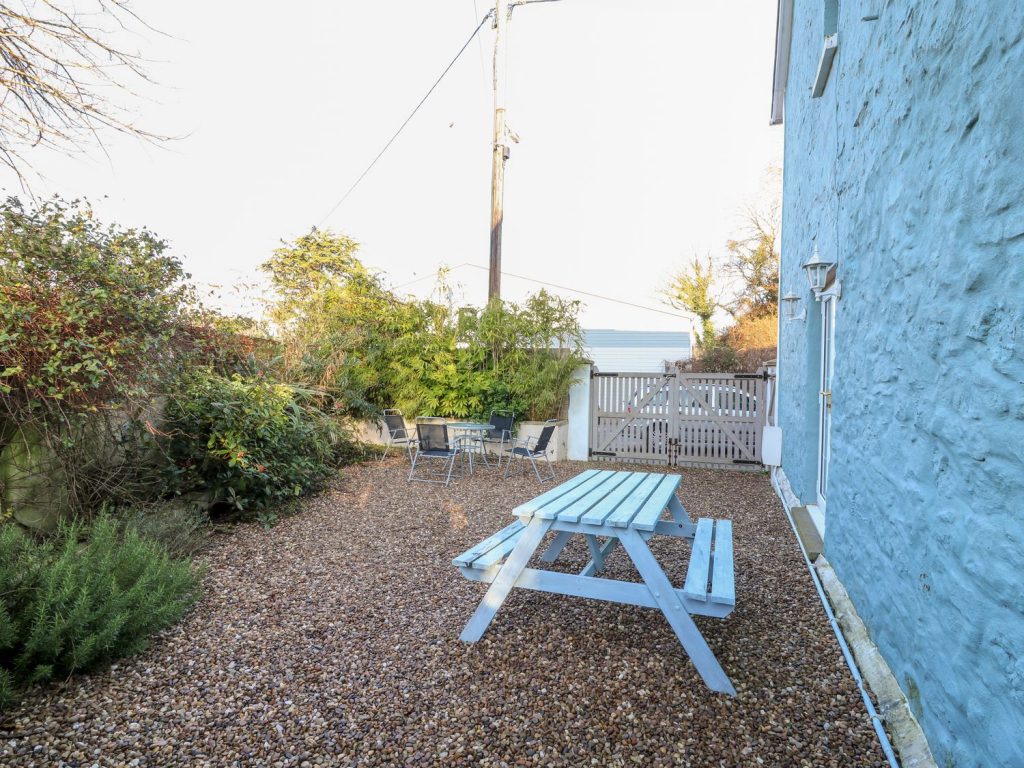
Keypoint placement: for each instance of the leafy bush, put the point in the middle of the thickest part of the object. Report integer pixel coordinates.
(80, 598)
(178, 525)
(88, 312)
(720, 358)
(90, 319)
(344, 332)
(248, 442)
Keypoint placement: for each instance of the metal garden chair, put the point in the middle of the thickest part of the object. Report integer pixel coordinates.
(398, 433)
(501, 435)
(533, 448)
(432, 443)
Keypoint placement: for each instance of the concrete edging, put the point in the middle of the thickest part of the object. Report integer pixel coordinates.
(868, 664)
(906, 733)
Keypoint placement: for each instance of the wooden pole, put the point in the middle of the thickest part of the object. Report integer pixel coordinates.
(499, 152)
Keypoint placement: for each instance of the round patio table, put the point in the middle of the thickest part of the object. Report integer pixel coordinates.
(473, 441)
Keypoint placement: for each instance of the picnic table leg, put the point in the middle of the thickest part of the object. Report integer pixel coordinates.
(682, 624)
(681, 516)
(592, 567)
(596, 555)
(504, 581)
(556, 546)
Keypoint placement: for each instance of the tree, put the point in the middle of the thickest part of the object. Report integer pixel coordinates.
(744, 281)
(314, 261)
(753, 261)
(693, 290)
(60, 73)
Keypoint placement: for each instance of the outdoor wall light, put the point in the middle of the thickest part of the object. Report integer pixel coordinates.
(817, 272)
(791, 307)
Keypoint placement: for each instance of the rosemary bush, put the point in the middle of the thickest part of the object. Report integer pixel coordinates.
(81, 597)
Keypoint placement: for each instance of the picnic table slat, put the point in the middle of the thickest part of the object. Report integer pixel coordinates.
(530, 507)
(471, 554)
(500, 552)
(696, 585)
(647, 518)
(573, 512)
(627, 510)
(723, 580)
(594, 483)
(611, 502)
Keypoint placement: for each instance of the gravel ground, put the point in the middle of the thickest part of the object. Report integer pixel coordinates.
(333, 640)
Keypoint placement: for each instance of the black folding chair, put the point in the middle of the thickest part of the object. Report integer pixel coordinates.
(398, 434)
(432, 443)
(501, 435)
(534, 448)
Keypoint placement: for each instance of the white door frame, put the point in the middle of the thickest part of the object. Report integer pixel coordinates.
(826, 380)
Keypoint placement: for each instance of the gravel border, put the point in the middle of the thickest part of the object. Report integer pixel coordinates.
(333, 640)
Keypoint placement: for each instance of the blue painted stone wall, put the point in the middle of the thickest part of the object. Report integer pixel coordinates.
(909, 172)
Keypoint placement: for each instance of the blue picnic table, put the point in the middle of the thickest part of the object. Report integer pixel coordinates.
(609, 508)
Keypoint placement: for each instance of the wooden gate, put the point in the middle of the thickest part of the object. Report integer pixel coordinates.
(679, 418)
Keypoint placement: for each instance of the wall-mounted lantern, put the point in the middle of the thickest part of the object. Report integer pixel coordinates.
(791, 308)
(817, 270)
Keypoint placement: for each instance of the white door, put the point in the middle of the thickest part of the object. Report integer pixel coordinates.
(828, 359)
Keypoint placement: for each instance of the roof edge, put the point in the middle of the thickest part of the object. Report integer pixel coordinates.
(780, 76)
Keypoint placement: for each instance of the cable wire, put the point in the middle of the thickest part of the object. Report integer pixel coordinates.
(552, 285)
(410, 117)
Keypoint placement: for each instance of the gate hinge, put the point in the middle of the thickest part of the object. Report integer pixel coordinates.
(762, 376)
(602, 453)
(748, 461)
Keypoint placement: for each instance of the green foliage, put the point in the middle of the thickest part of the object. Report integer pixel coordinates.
(96, 325)
(720, 358)
(692, 289)
(81, 598)
(87, 313)
(313, 262)
(178, 525)
(91, 320)
(744, 283)
(364, 348)
(248, 442)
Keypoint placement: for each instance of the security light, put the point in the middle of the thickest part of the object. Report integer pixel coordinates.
(791, 307)
(817, 272)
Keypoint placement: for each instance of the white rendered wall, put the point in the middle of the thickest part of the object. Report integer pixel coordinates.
(579, 416)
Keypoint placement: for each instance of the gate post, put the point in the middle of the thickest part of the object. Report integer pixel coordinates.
(578, 443)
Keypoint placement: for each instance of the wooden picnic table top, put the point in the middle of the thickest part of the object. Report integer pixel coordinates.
(605, 498)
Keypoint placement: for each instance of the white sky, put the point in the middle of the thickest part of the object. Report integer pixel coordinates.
(643, 125)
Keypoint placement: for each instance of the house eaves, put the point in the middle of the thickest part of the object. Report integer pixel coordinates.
(783, 38)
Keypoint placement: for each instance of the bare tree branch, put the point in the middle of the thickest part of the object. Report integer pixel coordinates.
(59, 75)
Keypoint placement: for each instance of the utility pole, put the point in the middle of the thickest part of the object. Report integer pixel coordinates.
(499, 152)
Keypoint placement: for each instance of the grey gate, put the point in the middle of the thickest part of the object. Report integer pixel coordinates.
(679, 418)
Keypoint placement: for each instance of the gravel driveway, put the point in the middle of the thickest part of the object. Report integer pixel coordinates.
(332, 640)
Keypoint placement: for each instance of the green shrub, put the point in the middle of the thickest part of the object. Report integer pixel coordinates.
(247, 442)
(178, 525)
(720, 357)
(82, 597)
(343, 330)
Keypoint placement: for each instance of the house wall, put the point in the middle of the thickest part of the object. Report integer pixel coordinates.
(909, 172)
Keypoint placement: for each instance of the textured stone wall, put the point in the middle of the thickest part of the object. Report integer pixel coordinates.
(909, 172)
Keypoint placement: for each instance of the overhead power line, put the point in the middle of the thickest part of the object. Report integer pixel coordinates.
(410, 117)
(553, 285)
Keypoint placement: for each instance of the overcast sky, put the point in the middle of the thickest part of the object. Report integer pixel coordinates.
(643, 127)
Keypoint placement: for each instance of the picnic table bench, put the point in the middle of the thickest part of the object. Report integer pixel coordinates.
(620, 507)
